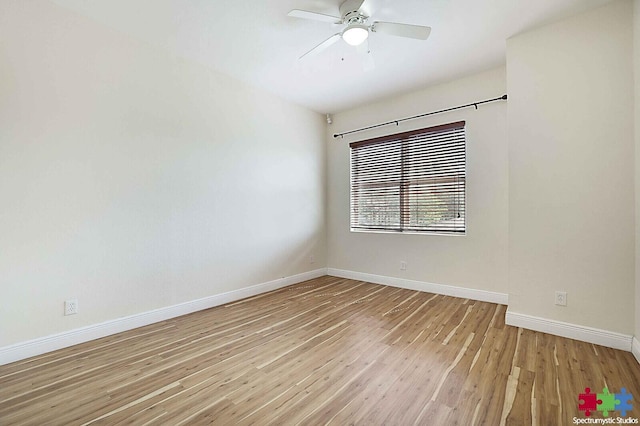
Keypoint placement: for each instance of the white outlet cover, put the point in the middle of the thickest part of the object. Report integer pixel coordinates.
(71, 307)
(561, 298)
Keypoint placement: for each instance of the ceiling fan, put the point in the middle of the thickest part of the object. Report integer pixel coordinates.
(357, 30)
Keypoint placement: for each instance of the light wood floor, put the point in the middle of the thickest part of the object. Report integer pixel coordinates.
(328, 350)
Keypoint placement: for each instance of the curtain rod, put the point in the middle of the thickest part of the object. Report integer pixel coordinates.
(397, 122)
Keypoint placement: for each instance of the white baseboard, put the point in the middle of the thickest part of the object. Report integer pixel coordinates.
(448, 290)
(635, 349)
(65, 339)
(572, 331)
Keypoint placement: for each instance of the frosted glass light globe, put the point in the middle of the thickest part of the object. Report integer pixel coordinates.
(355, 34)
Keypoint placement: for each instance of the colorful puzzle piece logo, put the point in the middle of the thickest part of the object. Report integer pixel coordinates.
(607, 402)
(604, 402)
(589, 402)
(623, 403)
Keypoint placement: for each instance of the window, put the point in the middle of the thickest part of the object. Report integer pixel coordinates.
(410, 182)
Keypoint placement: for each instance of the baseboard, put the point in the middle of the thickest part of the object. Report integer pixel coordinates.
(448, 290)
(635, 348)
(572, 331)
(65, 339)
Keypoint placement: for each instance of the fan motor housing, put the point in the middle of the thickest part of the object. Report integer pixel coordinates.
(349, 10)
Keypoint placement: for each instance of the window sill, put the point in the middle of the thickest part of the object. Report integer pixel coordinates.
(432, 233)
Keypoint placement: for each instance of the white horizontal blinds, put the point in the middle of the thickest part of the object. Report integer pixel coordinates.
(434, 165)
(413, 181)
(375, 186)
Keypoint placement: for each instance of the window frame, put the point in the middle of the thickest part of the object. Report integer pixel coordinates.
(404, 184)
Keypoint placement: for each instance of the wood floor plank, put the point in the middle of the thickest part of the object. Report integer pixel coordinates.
(325, 351)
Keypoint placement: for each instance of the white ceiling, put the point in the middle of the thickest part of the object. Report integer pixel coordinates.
(254, 41)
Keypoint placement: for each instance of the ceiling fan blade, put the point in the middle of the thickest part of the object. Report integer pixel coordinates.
(322, 46)
(305, 14)
(402, 30)
(357, 4)
(348, 7)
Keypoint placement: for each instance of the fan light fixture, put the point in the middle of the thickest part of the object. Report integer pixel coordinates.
(355, 34)
(356, 30)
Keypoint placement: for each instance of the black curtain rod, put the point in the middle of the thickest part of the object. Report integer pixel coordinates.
(397, 122)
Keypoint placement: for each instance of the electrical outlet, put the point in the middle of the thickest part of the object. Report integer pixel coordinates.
(561, 298)
(71, 307)
(312, 259)
(403, 265)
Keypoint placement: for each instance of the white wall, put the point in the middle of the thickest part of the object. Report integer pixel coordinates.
(477, 260)
(571, 169)
(133, 180)
(636, 68)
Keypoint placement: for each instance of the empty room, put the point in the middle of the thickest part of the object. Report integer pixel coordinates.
(319, 212)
